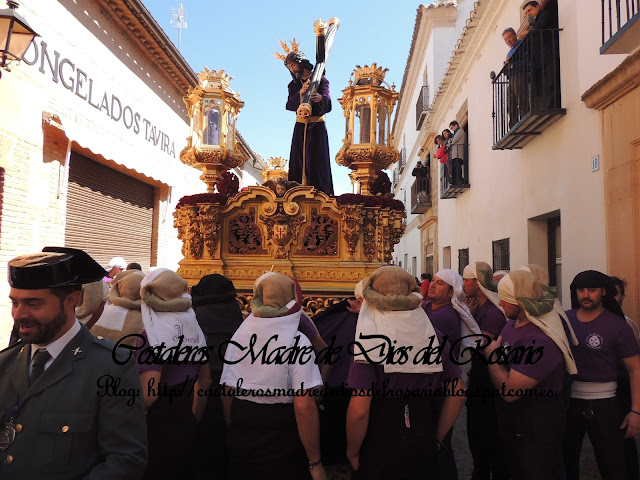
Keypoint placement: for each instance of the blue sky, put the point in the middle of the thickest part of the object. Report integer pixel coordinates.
(239, 36)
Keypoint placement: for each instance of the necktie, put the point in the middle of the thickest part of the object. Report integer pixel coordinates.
(39, 359)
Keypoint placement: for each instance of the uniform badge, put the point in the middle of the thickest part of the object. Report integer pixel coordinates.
(8, 435)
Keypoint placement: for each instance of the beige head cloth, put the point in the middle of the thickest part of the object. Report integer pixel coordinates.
(391, 309)
(483, 273)
(521, 288)
(543, 277)
(272, 292)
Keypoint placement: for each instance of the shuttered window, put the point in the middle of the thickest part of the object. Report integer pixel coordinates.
(109, 214)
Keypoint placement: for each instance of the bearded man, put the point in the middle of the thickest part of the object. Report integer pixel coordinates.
(58, 417)
(605, 341)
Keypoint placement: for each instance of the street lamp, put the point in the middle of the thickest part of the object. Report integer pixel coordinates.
(15, 35)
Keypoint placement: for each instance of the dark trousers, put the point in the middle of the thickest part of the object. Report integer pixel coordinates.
(390, 449)
(263, 443)
(454, 170)
(601, 419)
(482, 429)
(532, 429)
(171, 430)
(518, 97)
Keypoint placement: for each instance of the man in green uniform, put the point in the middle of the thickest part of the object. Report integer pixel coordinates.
(69, 406)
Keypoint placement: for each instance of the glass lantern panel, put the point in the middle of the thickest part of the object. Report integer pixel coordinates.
(20, 40)
(382, 124)
(231, 130)
(4, 30)
(362, 132)
(211, 133)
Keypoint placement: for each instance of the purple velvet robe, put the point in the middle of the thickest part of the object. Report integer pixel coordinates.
(317, 163)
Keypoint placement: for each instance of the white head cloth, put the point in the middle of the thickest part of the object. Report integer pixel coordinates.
(410, 328)
(470, 272)
(549, 323)
(469, 326)
(167, 327)
(258, 375)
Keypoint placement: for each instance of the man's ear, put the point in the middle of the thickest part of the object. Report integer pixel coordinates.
(72, 299)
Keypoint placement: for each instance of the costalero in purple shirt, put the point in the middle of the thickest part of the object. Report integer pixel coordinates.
(547, 367)
(364, 375)
(171, 374)
(602, 342)
(489, 318)
(447, 321)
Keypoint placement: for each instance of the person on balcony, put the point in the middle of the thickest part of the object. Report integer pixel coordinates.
(546, 72)
(515, 71)
(457, 152)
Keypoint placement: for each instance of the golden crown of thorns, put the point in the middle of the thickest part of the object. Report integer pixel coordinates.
(286, 49)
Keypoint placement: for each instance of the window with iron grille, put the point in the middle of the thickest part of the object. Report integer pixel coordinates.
(501, 255)
(463, 259)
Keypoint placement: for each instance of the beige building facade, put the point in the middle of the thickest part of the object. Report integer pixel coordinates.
(616, 98)
(537, 188)
(91, 128)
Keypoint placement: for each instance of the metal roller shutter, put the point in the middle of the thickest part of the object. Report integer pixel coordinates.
(109, 214)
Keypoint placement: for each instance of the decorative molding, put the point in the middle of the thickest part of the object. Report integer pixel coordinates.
(620, 81)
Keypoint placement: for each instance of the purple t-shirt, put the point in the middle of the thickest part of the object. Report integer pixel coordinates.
(170, 374)
(307, 328)
(489, 318)
(602, 342)
(447, 321)
(547, 367)
(364, 376)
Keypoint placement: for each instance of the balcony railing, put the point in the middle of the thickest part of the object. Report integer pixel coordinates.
(620, 26)
(422, 106)
(396, 177)
(403, 160)
(526, 92)
(421, 190)
(454, 175)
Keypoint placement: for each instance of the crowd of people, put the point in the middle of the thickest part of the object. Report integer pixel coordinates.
(452, 152)
(172, 384)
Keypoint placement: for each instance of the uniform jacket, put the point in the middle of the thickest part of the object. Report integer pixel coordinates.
(68, 427)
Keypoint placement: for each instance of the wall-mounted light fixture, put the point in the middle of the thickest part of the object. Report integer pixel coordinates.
(15, 35)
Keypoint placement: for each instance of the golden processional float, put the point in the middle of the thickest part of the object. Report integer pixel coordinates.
(327, 243)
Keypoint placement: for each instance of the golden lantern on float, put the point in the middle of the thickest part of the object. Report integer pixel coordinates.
(368, 146)
(212, 146)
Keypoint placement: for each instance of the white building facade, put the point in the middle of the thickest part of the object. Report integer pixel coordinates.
(539, 200)
(91, 130)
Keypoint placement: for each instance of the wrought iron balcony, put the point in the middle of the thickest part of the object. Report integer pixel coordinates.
(403, 160)
(526, 92)
(421, 190)
(396, 177)
(454, 175)
(422, 106)
(620, 26)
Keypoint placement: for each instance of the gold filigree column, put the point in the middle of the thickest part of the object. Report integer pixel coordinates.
(368, 146)
(213, 146)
